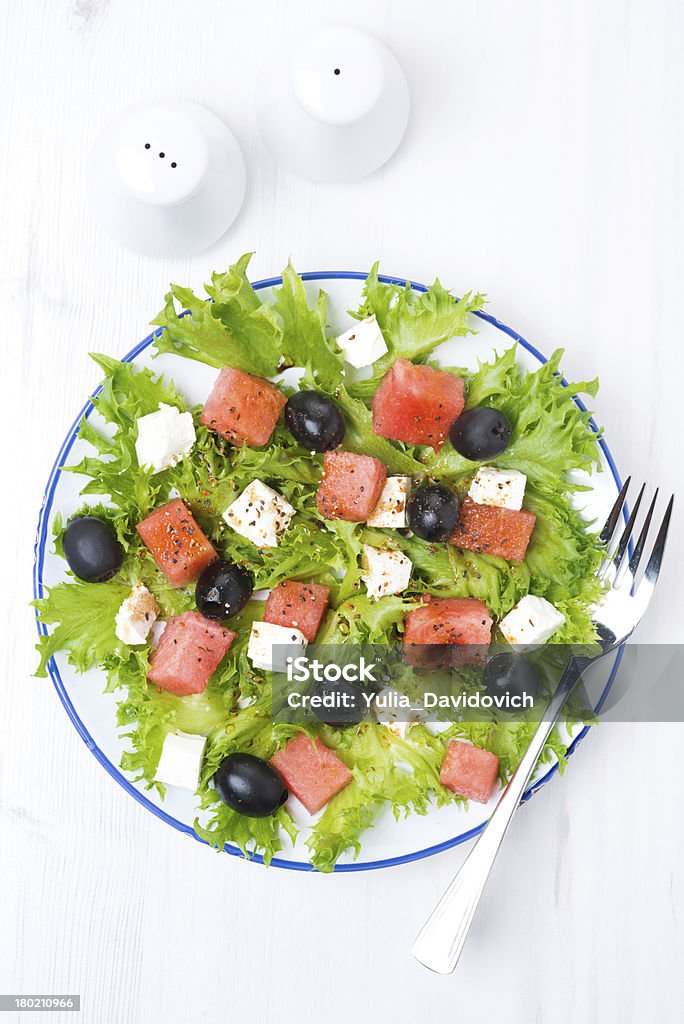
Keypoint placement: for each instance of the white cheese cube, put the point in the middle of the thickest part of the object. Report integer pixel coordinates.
(136, 616)
(260, 514)
(388, 571)
(390, 511)
(181, 760)
(264, 636)
(502, 487)
(363, 343)
(164, 437)
(533, 621)
(399, 720)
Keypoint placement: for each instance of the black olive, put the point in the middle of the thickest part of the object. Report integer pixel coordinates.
(250, 785)
(512, 674)
(314, 420)
(432, 512)
(481, 433)
(222, 590)
(91, 549)
(348, 707)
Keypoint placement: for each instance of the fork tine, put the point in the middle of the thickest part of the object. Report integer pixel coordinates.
(641, 543)
(611, 522)
(627, 532)
(656, 560)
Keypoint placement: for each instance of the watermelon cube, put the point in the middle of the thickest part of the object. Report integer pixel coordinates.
(492, 530)
(417, 404)
(176, 542)
(312, 771)
(469, 771)
(351, 486)
(301, 605)
(243, 408)
(449, 620)
(189, 651)
(441, 624)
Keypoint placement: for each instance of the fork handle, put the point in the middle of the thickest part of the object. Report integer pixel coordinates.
(443, 936)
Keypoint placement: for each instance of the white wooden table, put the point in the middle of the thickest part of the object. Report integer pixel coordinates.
(544, 165)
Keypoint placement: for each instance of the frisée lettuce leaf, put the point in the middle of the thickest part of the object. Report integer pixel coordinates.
(552, 439)
(83, 615)
(304, 330)
(234, 330)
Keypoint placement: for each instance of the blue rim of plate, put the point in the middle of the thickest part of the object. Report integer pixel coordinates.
(38, 592)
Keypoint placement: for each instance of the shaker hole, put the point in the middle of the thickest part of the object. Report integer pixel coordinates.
(337, 71)
(162, 155)
(147, 145)
(174, 164)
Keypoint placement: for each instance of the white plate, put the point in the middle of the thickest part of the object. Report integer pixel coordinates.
(94, 712)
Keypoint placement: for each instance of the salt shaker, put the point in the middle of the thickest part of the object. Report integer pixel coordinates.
(166, 179)
(336, 108)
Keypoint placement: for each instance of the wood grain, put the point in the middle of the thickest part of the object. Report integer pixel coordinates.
(544, 165)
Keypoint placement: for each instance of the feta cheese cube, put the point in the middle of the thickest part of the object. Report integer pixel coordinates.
(390, 511)
(363, 343)
(260, 514)
(181, 760)
(136, 616)
(533, 621)
(399, 720)
(388, 571)
(502, 487)
(264, 636)
(164, 437)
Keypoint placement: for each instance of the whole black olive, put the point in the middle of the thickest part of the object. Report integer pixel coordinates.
(512, 674)
(222, 590)
(345, 700)
(314, 420)
(432, 512)
(249, 785)
(481, 433)
(91, 549)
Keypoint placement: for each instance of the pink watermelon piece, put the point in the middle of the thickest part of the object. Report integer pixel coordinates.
(176, 542)
(490, 530)
(301, 605)
(469, 771)
(243, 408)
(312, 771)
(449, 620)
(417, 404)
(351, 486)
(190, 650)
(460, 627)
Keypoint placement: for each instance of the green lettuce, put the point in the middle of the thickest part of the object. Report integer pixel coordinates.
(234, 330)
(402, 775)
(551, 439)
(304, 338)
(83, 617)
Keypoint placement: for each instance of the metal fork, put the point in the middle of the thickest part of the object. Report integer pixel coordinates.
(443, 936)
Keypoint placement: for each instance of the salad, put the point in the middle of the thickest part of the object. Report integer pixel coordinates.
(336, 490)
